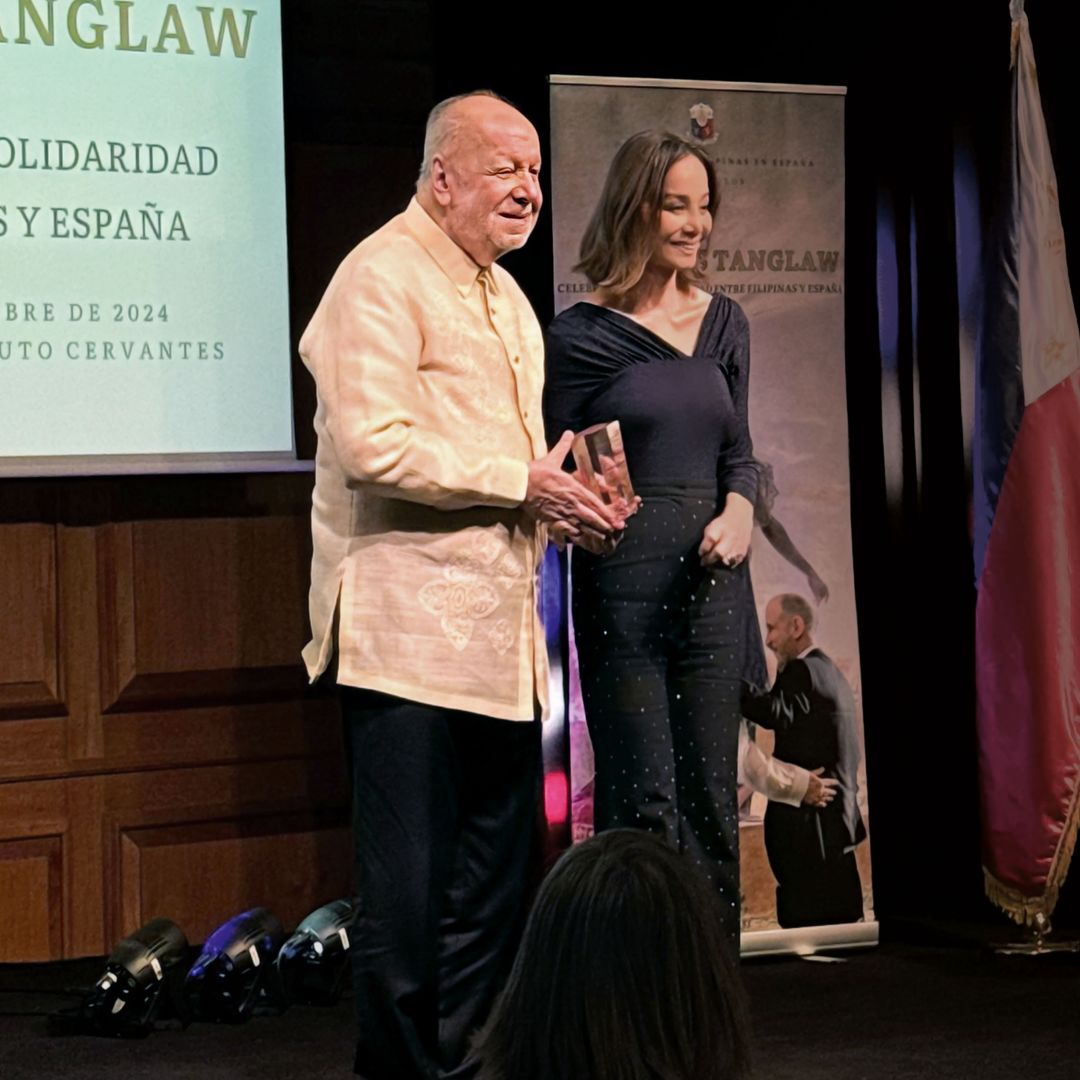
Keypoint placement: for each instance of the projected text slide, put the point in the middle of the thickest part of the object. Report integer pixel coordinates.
(143, 280)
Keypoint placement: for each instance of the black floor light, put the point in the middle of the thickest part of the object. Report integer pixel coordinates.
(312, 963)
(143, 982)
(234, 973)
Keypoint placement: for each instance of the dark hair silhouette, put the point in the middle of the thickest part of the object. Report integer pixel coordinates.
(624, 973)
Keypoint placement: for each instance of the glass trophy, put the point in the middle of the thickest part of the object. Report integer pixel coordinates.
(601, 462)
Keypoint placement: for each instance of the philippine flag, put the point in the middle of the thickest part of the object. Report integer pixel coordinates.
(1027, 527)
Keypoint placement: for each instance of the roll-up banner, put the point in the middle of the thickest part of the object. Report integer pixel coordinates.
(777, 249)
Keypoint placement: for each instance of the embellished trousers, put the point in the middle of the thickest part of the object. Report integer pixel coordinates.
(662, 644)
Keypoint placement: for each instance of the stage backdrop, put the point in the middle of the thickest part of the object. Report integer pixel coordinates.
(776, 248)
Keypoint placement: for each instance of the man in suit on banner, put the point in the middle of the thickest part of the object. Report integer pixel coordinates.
(812, 711)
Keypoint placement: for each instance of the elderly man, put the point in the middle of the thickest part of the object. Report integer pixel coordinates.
(433, 493)
(812, 710)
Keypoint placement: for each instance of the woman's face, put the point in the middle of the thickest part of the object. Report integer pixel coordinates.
(685, 221)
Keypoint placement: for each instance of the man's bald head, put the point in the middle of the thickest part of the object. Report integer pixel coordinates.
(788, 622)
(480, 175)
(445, 121)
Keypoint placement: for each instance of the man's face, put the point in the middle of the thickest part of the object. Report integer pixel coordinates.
(781, 632)
(492, 170)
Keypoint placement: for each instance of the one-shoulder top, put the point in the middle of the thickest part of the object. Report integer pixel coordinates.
(683, 418)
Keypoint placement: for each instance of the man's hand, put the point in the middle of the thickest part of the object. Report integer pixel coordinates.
(821, 790)
(727, 537)
(561, 500)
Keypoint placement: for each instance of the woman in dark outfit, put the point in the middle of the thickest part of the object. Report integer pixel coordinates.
(665, 624)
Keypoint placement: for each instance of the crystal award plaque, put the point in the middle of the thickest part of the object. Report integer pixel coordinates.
(601, 461)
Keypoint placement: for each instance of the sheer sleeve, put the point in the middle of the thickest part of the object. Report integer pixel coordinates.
(736, 468)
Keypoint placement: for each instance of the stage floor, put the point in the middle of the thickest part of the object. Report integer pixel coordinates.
(895, 1011)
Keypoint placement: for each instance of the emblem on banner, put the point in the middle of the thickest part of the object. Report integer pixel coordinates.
(702, 127)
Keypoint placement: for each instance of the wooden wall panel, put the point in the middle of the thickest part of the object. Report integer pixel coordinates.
(32, 748)
(40, 832)
(79, 641)
(86, 860)
(250, 732)
(202, 611)
(199, 875)
(160, 750)
(31, 877)
(199, 845)
(30, 676)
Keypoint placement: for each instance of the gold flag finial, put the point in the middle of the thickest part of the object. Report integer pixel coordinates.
(1016, 13)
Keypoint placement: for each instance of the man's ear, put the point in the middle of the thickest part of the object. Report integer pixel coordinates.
(798, 627)
(440, 181)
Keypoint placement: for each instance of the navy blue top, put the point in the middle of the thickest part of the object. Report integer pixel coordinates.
(683, 418)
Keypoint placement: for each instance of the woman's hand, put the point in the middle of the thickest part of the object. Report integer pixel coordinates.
(727, 537)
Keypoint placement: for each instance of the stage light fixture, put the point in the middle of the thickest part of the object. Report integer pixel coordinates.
(143, 982)
(233, 974)
(312, 963)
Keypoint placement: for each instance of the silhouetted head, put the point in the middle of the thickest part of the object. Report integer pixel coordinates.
(624, 973)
